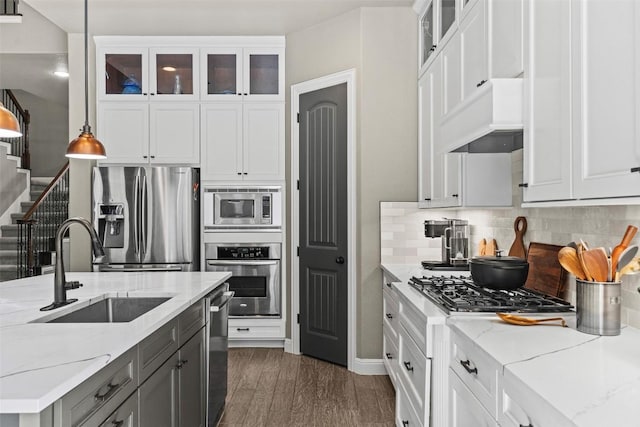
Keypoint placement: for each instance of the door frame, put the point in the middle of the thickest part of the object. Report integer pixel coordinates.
(348, 77)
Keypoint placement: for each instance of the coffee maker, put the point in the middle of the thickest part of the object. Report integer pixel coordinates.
(455, 243)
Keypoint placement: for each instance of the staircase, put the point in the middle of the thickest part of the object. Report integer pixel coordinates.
(47, 225)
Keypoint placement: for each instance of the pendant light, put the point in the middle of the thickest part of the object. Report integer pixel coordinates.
(9, 126)
(86, 146)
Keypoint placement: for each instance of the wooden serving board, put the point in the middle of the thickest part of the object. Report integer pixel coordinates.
(546, 275)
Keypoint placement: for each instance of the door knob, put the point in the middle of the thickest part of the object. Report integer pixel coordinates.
(339, 260)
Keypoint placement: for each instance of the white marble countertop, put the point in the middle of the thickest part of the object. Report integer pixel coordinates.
(590, 380)
(40, 362)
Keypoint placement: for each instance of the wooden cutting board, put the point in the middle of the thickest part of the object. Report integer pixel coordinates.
(546, 275)
(517, 248)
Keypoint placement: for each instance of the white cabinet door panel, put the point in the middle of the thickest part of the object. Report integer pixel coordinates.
(123, 128)
(607, 98)
(464, 409)
(263, 157)
(547, 134)
(222, 141)
(473, 46)
(175, 136)
(425, 137)
(451, 75)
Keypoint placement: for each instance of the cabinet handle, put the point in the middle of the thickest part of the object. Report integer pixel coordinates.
(388, 284)
(481, 83)
(405, 422)
(152, 94)
(117, 423)
(408, 366)
(454, 195)
(239, 173)
(466, 364)
(528, 425)
(428, 199)
(389, 316)
(144, 157)
(239, 94)
(433, 47)
(245, 173)
(389, 355)
(245, 94)
(111, 388)
(636, 169)
(145, 93)
(242, 329)
(181, 363)
(153, 157)
(523, 185)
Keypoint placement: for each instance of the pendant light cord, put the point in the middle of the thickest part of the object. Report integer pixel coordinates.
(86, 127)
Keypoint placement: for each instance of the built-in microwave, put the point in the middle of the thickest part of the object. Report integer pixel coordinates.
(228, 208)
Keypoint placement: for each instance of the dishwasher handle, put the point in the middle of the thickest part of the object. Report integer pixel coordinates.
(226, 297)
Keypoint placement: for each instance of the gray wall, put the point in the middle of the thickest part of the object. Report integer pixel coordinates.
(36, 34)
(380, 43)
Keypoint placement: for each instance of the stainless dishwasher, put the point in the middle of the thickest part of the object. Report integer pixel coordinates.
(218, 349)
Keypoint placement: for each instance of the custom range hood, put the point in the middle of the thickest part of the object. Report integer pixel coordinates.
(489, 121)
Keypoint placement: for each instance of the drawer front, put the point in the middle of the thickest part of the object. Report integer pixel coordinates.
(190, 321)
(255, 332)
(520, 407)
(415, 374)
(390, 313)
(477, 371)
(125, 416)
(390, 356)
(464, 409)
(155, 349)
(101, 394)
(406, 415)
(414, 323)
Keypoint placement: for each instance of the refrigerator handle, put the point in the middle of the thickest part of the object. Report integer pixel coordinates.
(143, 217)
(136, 214)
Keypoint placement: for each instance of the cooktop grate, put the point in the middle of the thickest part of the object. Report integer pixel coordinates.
(460, 294)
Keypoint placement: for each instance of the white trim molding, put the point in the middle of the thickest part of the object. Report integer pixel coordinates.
(348, 77)
(369, 367)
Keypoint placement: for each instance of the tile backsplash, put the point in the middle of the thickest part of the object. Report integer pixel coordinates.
(403, 241)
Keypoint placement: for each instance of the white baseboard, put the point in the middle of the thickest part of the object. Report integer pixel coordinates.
(368, 367)
(288, 346)
(256, 343)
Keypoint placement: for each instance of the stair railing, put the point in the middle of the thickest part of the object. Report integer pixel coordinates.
(19, 146)
(37, 227)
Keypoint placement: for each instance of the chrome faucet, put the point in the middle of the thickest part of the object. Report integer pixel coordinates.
(60, 285)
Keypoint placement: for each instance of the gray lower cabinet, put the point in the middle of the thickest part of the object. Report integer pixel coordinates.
(174, 395)
(126, 415)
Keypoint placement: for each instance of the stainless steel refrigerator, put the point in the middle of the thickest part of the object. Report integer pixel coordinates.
(148, 218)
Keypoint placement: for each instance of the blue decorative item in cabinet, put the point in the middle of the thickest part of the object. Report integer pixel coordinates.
(131, 86)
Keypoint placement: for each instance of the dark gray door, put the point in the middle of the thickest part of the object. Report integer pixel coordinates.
(323, 224)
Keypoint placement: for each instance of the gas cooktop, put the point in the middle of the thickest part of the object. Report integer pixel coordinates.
(460, 294)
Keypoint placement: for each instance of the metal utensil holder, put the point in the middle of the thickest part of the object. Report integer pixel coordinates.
(598, 307)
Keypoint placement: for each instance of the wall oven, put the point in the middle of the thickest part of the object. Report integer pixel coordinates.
(255, 278)
(242, 208)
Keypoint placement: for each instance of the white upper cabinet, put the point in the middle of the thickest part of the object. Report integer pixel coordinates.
(606, 101)
(129, 73)
(243, 74)
(438, 21)
(547, 118)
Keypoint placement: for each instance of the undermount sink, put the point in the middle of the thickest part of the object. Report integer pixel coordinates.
(111, 310)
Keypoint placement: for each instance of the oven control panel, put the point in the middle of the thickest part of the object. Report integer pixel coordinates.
(242, 252)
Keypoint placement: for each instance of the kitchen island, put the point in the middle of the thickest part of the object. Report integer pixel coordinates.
(42, 362)
(507, 375)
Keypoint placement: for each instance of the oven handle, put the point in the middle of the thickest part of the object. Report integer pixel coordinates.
(226, 297)
(242, 262)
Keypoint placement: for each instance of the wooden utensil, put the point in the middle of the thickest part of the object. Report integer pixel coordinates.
(626, 241)
(580, 253)
(546, 275)
(596, 261)
(632, 267)
(526, 321)
(568, 258)
(482, 247)
(517, 247)
(492, 247)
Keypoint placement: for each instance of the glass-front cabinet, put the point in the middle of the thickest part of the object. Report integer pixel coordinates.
(427, 35)
(243, 74)
(438, 22)
(148, 74)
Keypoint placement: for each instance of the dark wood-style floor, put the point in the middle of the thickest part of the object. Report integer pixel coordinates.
(268, 387)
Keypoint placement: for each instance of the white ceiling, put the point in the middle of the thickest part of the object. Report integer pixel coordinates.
(197, 17)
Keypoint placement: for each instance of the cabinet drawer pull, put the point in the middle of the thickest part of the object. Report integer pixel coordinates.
(408, 366)
(428, 199)
(111, 389)
(433, 47)
(466, 364)
(181, 363)
(637, 169)
(117, 423)
(528, 425)
(454, 195)
(523, 185)
(242, 329)
(405, 422)
(481, 83)
(389, 355)
(389, 316)
(388, 284)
